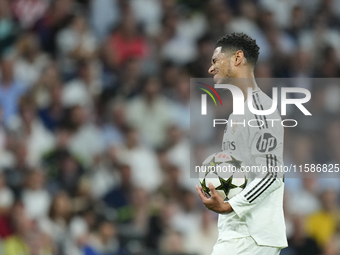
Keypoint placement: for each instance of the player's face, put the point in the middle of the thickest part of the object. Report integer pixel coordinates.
(220, 66)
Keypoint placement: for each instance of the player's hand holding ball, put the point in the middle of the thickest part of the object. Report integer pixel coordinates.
(220, 180)
(215, 202)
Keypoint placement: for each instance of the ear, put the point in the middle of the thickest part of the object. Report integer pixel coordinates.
(238, 57)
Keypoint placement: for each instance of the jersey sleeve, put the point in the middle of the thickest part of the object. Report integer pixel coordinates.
(266, 145)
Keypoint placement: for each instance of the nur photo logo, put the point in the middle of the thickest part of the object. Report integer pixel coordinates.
(239, 104)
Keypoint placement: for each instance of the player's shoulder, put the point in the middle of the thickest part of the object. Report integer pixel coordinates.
(261, 98)
(263, 123)
(261, 101)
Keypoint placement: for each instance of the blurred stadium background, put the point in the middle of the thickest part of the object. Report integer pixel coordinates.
(94, 106)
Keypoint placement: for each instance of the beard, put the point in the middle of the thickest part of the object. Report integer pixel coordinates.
(222, 80)
(227, 79)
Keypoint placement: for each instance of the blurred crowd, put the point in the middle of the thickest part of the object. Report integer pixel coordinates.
(94, 131)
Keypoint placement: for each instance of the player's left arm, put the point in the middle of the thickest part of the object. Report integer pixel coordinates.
(266, 149)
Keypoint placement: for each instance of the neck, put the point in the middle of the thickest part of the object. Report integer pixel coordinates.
(244, 81)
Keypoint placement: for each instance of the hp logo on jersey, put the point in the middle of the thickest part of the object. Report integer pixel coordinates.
(266, 143)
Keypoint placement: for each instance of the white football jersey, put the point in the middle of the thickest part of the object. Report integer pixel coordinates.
(258, 209)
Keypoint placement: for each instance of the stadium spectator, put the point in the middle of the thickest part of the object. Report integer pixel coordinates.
(10, 91)
(103, 240)
(9, 31)
(35, 198)
(83, 131)
(205, 235)
(113, 128)
(6, 202)
(120, 195)
(55, 224)
(29, 12)
(126, 42)
(75, 43)
(105, 15)
(327, 217)
(83, 90)
(30, 61)
(53, 114)
(56, 18)
(300, 243)
(29, 129)
(149, 113)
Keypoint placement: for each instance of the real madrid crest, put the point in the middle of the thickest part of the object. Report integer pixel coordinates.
(234, 127)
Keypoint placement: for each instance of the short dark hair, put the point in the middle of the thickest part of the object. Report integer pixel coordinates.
(240, 41)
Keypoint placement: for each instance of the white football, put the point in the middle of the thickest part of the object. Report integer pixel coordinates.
(224, 172)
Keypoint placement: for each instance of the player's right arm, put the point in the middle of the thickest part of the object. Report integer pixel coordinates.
(214, 202)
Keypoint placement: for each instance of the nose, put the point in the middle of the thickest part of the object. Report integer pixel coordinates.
(212, 70)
